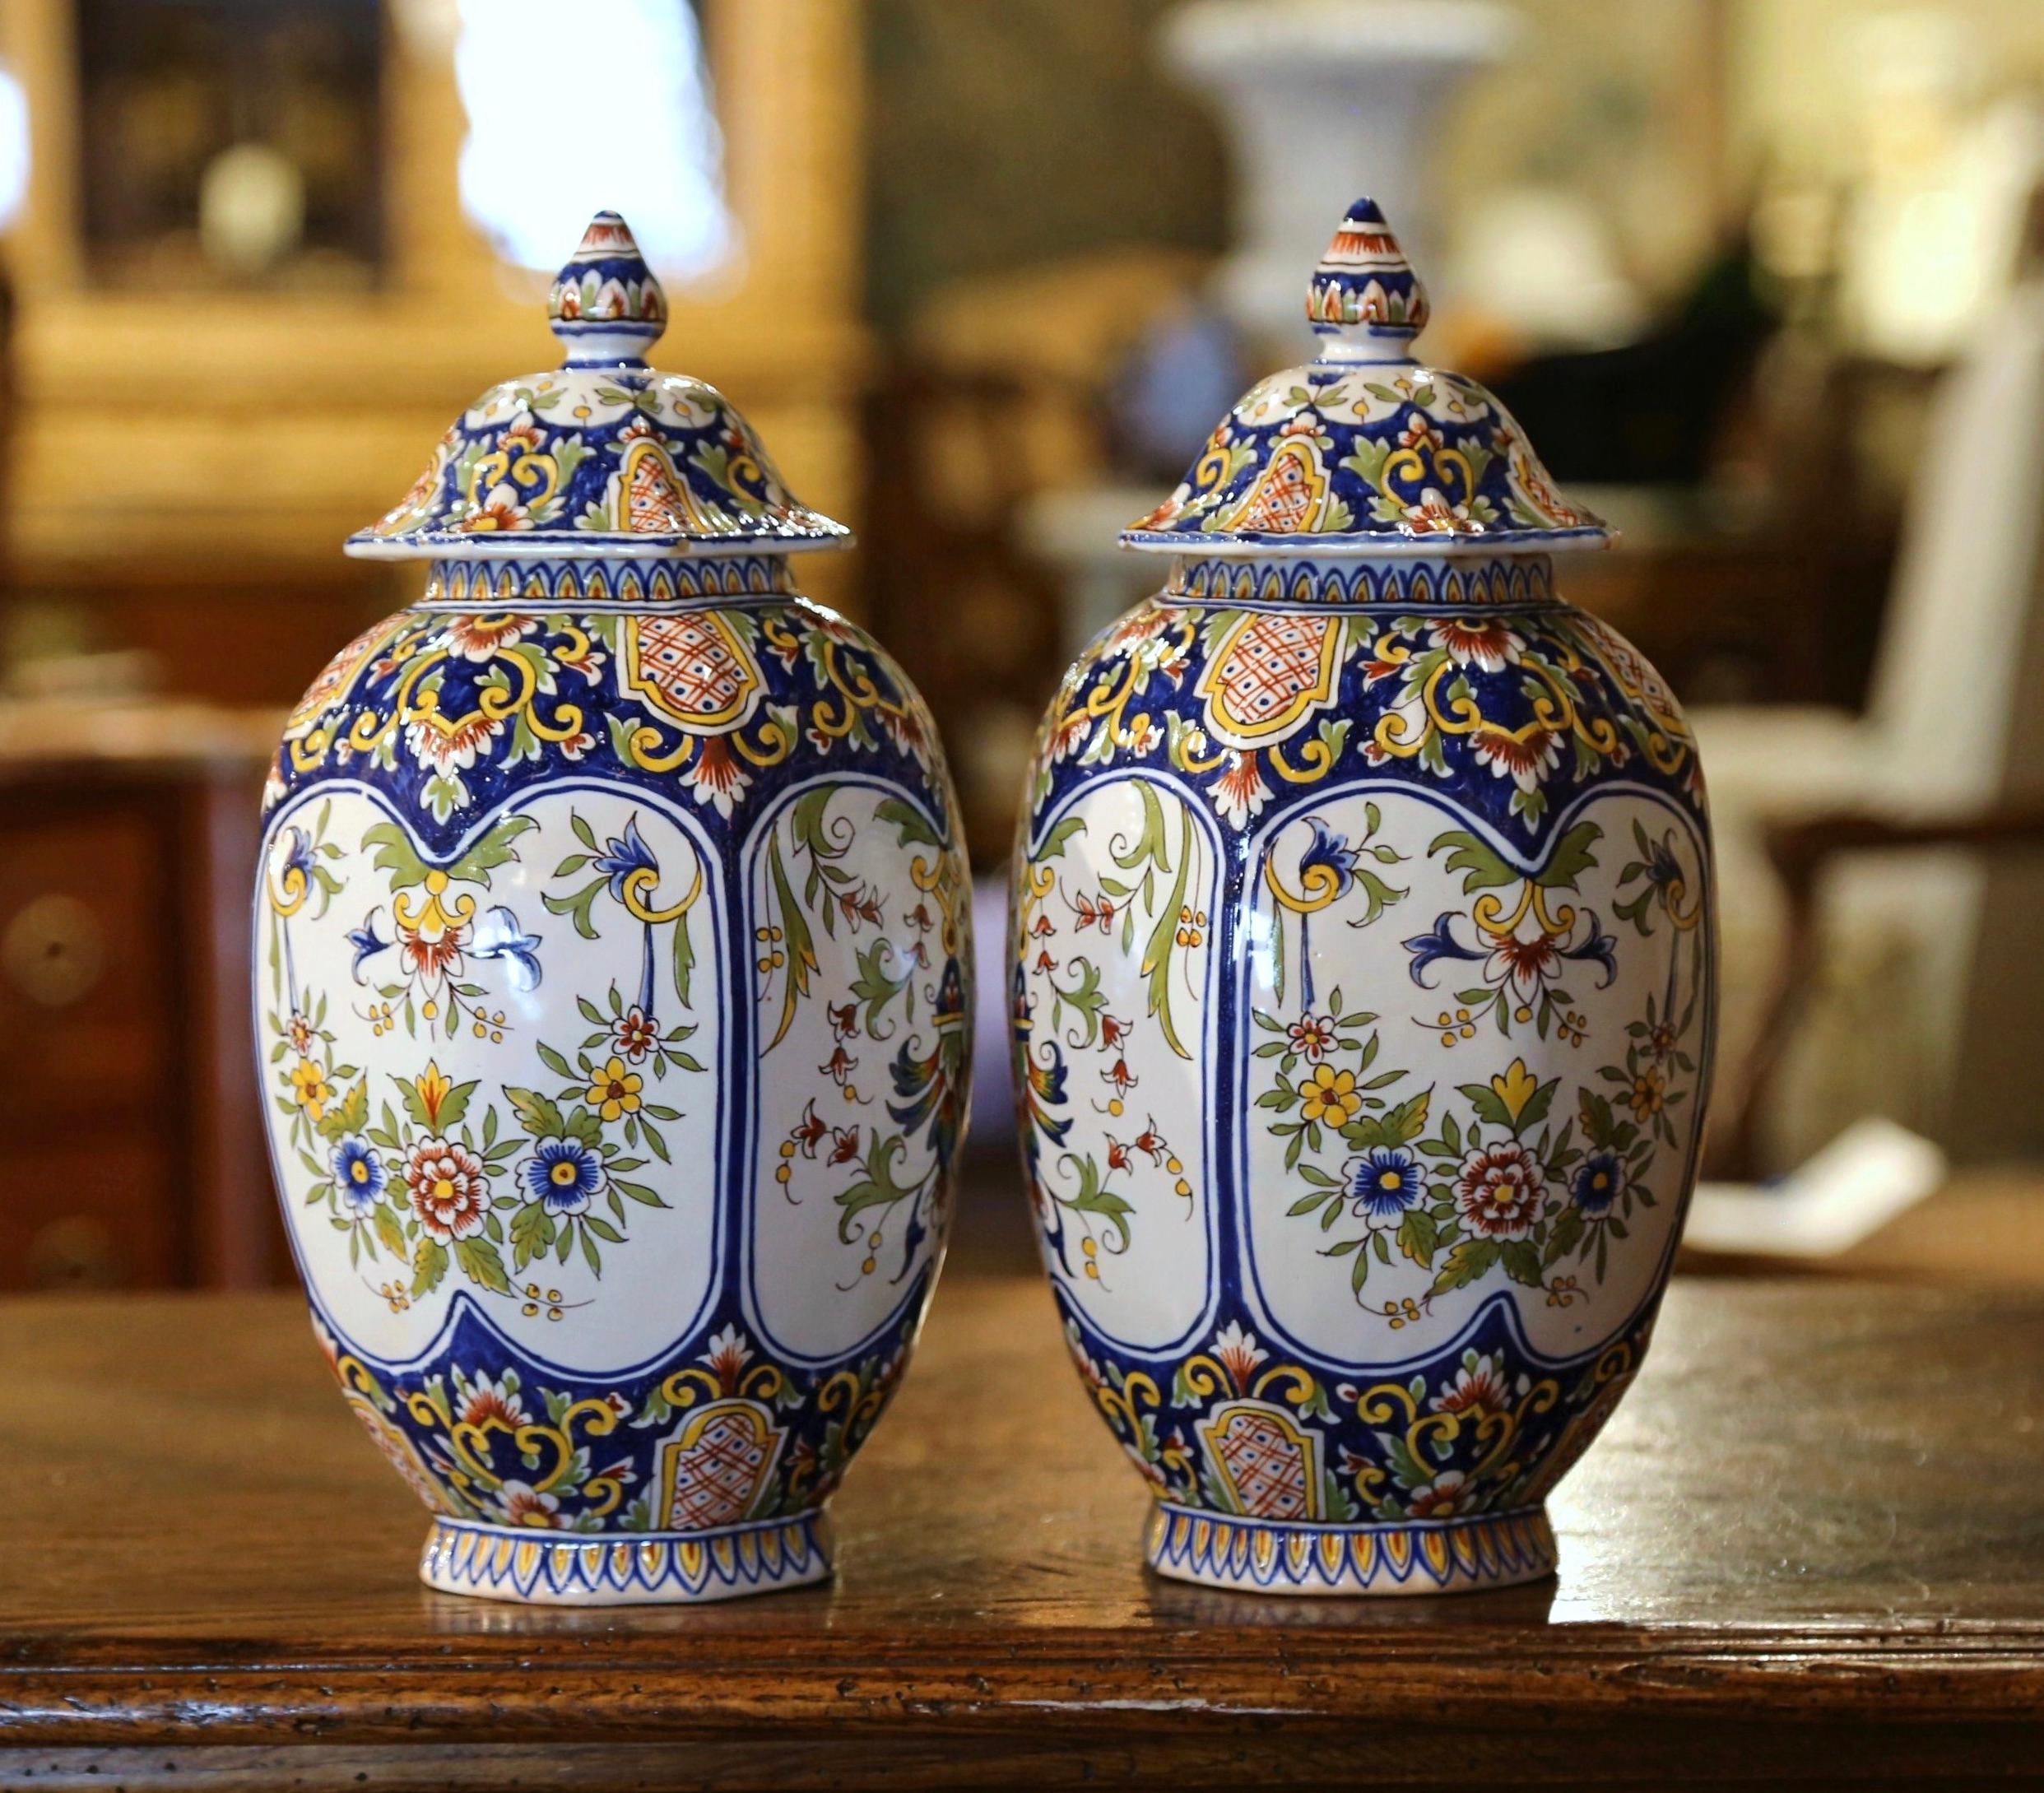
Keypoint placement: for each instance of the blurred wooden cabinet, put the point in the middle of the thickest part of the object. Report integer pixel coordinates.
(179, 453)
(136, 1158)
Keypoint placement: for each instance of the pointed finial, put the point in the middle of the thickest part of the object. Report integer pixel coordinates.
(1365, 302)
(606, 306)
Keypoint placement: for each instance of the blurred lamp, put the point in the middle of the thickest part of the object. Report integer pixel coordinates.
(531, 187)
(14, 147)
(252, 209)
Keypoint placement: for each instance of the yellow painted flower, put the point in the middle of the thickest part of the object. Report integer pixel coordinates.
(1330, 1096)
(433, 1085)
(1649, 1093)
(614, 1090)
(1516, 1088)
(310, 1090)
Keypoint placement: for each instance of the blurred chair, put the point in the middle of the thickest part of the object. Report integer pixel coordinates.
(1802, 854)
(1883, 1005)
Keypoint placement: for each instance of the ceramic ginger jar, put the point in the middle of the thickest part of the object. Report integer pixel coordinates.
(612, 978)
(1362, 983)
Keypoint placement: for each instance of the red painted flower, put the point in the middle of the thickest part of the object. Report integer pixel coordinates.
(449, 746)
(1240, 791)
(1433, 515)
(1499, 1190)
(809, 1131)
(484, 1401)
(1311, 1036)
(525, 1505)
(1448, 1494)
(1524, 755)
(1485, 642)
(1479, 1386)
(497, 511)
(634, 1034)
(1526, 966)
(477, 638)
(715, 775)
(432, 953)
(449, 1192)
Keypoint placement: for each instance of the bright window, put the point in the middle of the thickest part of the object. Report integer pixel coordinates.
(574, 108)
(14, 147)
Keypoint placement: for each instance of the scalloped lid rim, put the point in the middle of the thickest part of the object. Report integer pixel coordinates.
(1518, 544)
(584, 545)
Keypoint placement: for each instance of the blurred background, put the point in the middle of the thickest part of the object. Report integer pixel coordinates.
(1763, 279)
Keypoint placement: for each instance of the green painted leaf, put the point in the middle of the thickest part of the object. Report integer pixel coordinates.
(1571, 858)
(1481, 868)
(482, 1265)
(429, 1265)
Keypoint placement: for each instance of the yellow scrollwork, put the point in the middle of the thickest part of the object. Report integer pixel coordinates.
(309, 752)
(468, 1442)
(643, 744)
(775, 744)
(1319, 886)
(433, 917)
(1490, 1425)
(1301, 1391)
(1119, 1404)
(537, 476)
(1317, 761)
(640, 886)
(1185, 756)
(1488, 912)
(289, 892)
(1410, 464)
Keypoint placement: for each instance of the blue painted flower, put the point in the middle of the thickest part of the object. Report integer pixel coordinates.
(564, 1174)
(623, 856)
(1598, 947)
(1599, 1182)
(1383, 1183)
(1441, 944)
(1663, 871)
(499, 935)
(298, 853)
(1326, 870)
(1330, 856)
(367, 942)
(358, 1175)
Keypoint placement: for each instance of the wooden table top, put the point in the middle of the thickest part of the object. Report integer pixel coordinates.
(1809, 1550)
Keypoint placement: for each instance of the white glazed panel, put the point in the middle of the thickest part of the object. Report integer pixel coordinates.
(1118, 968)
(495, 934)
(845, 945)
(1532, 1095)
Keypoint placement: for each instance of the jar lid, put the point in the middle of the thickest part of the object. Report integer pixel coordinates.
(1364, 451)
(605, 456)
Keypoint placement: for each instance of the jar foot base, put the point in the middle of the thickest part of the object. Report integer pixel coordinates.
(626, 1568)
(1266, 1556)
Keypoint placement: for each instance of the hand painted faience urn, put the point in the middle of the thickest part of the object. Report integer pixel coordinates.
(612, 976)
(1362, 983)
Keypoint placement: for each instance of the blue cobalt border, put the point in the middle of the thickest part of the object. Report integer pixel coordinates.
(1444, 1556)
(626, 1568)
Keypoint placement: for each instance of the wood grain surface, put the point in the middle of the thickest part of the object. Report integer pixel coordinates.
(1809, 1551)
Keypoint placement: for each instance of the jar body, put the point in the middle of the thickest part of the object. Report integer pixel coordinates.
(612, 991)
(1363, 978)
